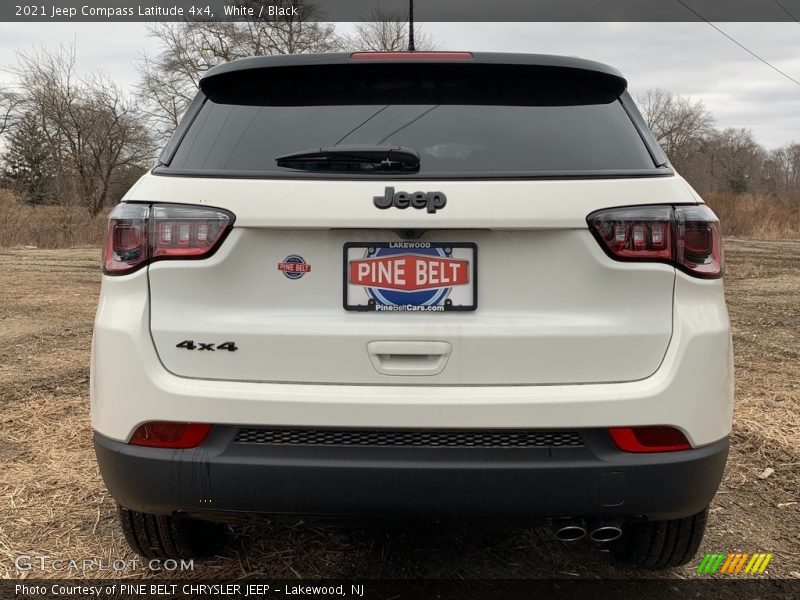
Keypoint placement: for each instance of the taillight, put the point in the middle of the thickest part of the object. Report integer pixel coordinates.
(163, 434)
(687, 237)
(142, 233)
(126, 247)
(698, 249)
(649, 439)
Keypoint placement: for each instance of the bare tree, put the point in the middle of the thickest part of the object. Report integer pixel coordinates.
(91, 129)
(50, 93)
(776, 171)
(386, 30)
(9, 103)
(792, 165)
(114, 139)
(679, 124)
(739, 159)
(170, 80)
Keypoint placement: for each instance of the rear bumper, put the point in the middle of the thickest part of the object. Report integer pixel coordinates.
(591, 480)
(692, 389)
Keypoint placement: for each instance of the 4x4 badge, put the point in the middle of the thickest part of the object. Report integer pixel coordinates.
(433, 201)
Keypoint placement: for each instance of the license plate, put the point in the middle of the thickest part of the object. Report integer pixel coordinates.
(410, 276)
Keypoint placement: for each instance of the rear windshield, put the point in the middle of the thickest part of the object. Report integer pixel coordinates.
(452, 140)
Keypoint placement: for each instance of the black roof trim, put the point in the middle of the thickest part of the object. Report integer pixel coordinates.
(343, 58)
(486, 78)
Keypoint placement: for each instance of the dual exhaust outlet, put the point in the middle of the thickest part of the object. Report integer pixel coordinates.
(572, 530)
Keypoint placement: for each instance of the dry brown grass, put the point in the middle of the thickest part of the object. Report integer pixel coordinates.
(47, 226)
(757, 217)
(763, 287)
(53, 502)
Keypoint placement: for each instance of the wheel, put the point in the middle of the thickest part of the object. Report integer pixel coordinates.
(169, 536)
(659, 544)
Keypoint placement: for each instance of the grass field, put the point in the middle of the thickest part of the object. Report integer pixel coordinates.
(53, 502)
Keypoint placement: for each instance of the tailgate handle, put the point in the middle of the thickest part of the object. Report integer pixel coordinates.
(409, 358)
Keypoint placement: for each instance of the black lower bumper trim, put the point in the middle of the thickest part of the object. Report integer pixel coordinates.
(590, 480)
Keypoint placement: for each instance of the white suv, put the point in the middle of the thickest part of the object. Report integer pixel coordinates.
(431, 284)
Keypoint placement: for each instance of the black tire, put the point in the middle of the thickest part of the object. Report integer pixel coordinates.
(658, 545)
(169, 536)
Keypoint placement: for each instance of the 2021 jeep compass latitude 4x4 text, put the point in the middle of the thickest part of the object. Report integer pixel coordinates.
(425, 284)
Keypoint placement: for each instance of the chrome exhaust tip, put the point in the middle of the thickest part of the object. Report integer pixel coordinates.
(569, 531)
(606, 531)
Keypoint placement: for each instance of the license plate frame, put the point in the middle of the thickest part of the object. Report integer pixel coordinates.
(387, 300)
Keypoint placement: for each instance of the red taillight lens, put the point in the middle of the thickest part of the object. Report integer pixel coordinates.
(699, 247)
(434, 56)
(649, 439)
(636, 233)
(126, 247)
(162, 434)
(186, 231)
(141, 233)
(686, 237)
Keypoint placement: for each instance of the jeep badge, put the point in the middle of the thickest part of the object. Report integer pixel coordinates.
(433, 201)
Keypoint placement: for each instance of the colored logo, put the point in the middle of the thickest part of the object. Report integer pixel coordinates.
(294, 267)
(394, 276)
(734, 564)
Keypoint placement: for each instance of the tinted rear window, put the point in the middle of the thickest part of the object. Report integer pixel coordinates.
(452, 139)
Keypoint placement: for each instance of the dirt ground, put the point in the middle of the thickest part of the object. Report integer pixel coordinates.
(52, 501)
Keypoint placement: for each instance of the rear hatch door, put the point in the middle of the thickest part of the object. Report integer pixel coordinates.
(475, 269)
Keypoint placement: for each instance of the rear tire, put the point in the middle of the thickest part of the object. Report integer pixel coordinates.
(169, 536)
(658, 545)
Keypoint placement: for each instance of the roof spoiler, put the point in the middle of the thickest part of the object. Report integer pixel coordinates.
(344, 79)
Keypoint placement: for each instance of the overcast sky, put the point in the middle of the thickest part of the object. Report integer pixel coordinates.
(690, 59)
